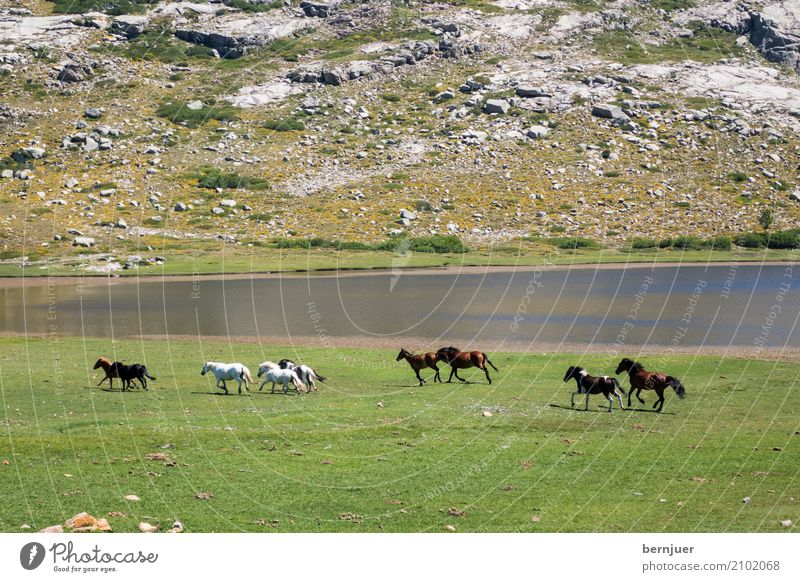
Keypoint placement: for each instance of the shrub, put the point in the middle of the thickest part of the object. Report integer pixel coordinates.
(738, 176)
(212, 177)
(686, 242)
(784, 239)
(246, 6)
(750, 240)
(665, 243)
(572, 242)
(286, 124)
(643, 243)
(179, 113)
(721, 243)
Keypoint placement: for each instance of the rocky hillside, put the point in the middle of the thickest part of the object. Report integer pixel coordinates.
(129, 120)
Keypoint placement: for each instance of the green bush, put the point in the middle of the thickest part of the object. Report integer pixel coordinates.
(738, 176)
(286, 124)
(425, 244)
(721, 243)
(572, 242)
(784, 239)
(750, 240)
(246, 6)
(643, 243)
(179, 113)
(212, 177)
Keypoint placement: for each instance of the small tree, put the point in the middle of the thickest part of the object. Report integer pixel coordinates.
(766, 218)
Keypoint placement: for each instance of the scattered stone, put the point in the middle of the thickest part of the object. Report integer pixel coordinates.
(145, 527)
(81, 520)
(75, 73)
(23, 155)
(131, 498)
(93, 113)
(53, 529)
(83, 241)
(180, 207)
(537, 132)
(497, 106)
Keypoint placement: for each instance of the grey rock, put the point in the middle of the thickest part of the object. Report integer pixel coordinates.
(407, 214)
(129, 25)
(75, 73)
(83, 241)
(7, 174)
(121, 224)
(497, 106)
(180, 207)
(93, 113)
(607, 111)
(23, 155)
(217, 210)
(537, 132)
(228, 203)
(530, 91)
(319, 9)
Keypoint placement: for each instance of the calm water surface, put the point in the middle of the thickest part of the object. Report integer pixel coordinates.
(744, 305)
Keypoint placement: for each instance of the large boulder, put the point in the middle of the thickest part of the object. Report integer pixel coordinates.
(606, 111)
(497, 106)
(23, 155)
(320, 9)
(129, 25)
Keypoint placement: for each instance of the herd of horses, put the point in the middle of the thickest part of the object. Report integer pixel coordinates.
(640, 379)
(287, 373)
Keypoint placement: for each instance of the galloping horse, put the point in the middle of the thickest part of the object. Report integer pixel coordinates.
(594, 385)
(224, 372)
(276, 374)
(641, 379)
(460, 360)
(109, 368)
(307, 374)
(420, 362)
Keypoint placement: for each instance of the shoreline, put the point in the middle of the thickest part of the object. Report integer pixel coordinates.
(416, 345)
(44, 279)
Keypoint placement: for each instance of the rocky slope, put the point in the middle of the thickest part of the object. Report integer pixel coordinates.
(252, 120)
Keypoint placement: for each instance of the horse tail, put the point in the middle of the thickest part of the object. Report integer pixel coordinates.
(318, 376)
(488, 361)
(246, 375)
(617, 385)
(677, 386)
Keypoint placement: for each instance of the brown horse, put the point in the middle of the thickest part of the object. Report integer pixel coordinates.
(109, 368)
(460, 360)
(641, 379)
(420, 362)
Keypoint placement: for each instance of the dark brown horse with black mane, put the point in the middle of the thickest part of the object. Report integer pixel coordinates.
(420, 362)
(641, 379)
(461, 360)
(594, 385)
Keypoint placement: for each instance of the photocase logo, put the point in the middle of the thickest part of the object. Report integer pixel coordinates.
(31, 555)
(402, 256)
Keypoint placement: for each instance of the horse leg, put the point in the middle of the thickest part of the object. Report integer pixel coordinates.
(587, 401)
(421, 381)
(610, 402)
(436, 377)
(620, 400)
(572, 400)
(224, 386)
(452, 371)
(639, 398)
(264, 383)
(486, 371)
(457, 376)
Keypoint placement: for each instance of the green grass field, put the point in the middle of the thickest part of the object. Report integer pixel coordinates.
(373, 452)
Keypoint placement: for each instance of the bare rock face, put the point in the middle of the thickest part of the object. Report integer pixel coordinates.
(775, 32)
(232, 35)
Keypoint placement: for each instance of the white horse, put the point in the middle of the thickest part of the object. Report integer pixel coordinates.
(272, 373)
(306, 374)
(225, 372)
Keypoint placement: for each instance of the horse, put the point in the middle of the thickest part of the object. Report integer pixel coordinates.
(273, 373)
(109, 368)
(641, 379)
(420, 362)
(139, 372)
(594, 385)
(459, 360)
(224, 372)
(307, 374)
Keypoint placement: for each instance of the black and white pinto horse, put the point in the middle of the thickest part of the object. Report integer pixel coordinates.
(594, 385)
(306, 374)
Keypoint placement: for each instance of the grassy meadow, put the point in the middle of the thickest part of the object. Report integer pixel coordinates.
(373, 452)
